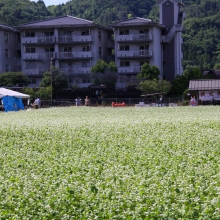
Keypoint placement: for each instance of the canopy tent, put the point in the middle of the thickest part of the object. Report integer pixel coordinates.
(11, 100)
(8, 92)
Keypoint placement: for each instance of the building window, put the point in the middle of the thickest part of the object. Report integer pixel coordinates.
(30, 65)
(32, 81)
(6, 37)
(124, 47)
(144, 47)
(86, 48)
(124, 63)
(99, 35)
(67, 49)
(29, 34)
(18, 53)
(124, 32)
(86, 80)
(85, 32)
(143, 31)
(6, 67)
(100, 51)
(67, 33)
(48, 34)
(110, 51)
(85, 64)
(6, 53)
(30, 50)
(49, 49)
(18, 37)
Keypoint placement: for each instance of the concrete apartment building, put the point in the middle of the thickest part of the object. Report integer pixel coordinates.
(140, 40)
(10, 52)
(77, 44)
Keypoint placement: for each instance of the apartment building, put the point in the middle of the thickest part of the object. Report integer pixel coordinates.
(137, 41)
(10, 49)
(140, 40)
(75, 45)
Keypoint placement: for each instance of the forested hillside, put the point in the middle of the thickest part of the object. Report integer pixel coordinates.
(201, 29)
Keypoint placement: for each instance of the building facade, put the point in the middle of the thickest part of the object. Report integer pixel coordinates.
(75, 45)
(137, 41)
(10, 49)
(140, 40)
(171, 17)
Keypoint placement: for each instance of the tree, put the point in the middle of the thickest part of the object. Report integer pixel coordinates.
(43, 92)
(148, 72)
(104, 73)
(154, 86)
(181, 82)
(56, 78)
(13, 79)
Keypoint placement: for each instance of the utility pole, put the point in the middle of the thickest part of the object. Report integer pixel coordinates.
(52, 64)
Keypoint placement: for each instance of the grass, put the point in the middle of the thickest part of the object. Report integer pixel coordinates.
(110, 163)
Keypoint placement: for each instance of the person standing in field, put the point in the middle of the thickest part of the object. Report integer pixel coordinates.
(36, 103)
(160, 101)
(87, 101)
(78, 101)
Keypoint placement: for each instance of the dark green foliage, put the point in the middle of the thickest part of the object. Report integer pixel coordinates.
(148, 72)
(202, 33)
(13, 79)
(104, 73)
(58, 78)
(181, 82)
(15, 12)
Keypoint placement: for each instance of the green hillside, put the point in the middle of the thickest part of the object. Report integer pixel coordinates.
(201, 33)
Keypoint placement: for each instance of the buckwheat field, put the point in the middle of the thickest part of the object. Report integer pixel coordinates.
(110, 163)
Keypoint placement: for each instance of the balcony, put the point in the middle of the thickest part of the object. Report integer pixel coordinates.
(75, 39)
(30, 71)
(38, 40)
(134, 53)
(75, 55)
(129, 69)
(38, 56)
(82, 70)
(76, 70)
(134, 37)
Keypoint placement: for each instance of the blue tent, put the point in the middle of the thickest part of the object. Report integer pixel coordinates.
(12, 100)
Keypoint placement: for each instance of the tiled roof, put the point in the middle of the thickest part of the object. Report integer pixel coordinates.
(59, 21)
(134, 22)
(178, 1)
(215, 72)
(210, 84)
(2, 26)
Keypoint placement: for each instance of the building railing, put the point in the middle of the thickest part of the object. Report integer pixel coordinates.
(38, 39)
(135, 37)
(129, 69)
(45, 55)
(34, 70)
(76, 70)
(74, 38)
(167, 38)
(134, 53)
(74, 54)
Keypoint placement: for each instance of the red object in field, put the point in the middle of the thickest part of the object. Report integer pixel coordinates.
(118, 104)
(193, 103)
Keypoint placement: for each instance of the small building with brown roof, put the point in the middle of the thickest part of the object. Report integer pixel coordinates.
(206, 90)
